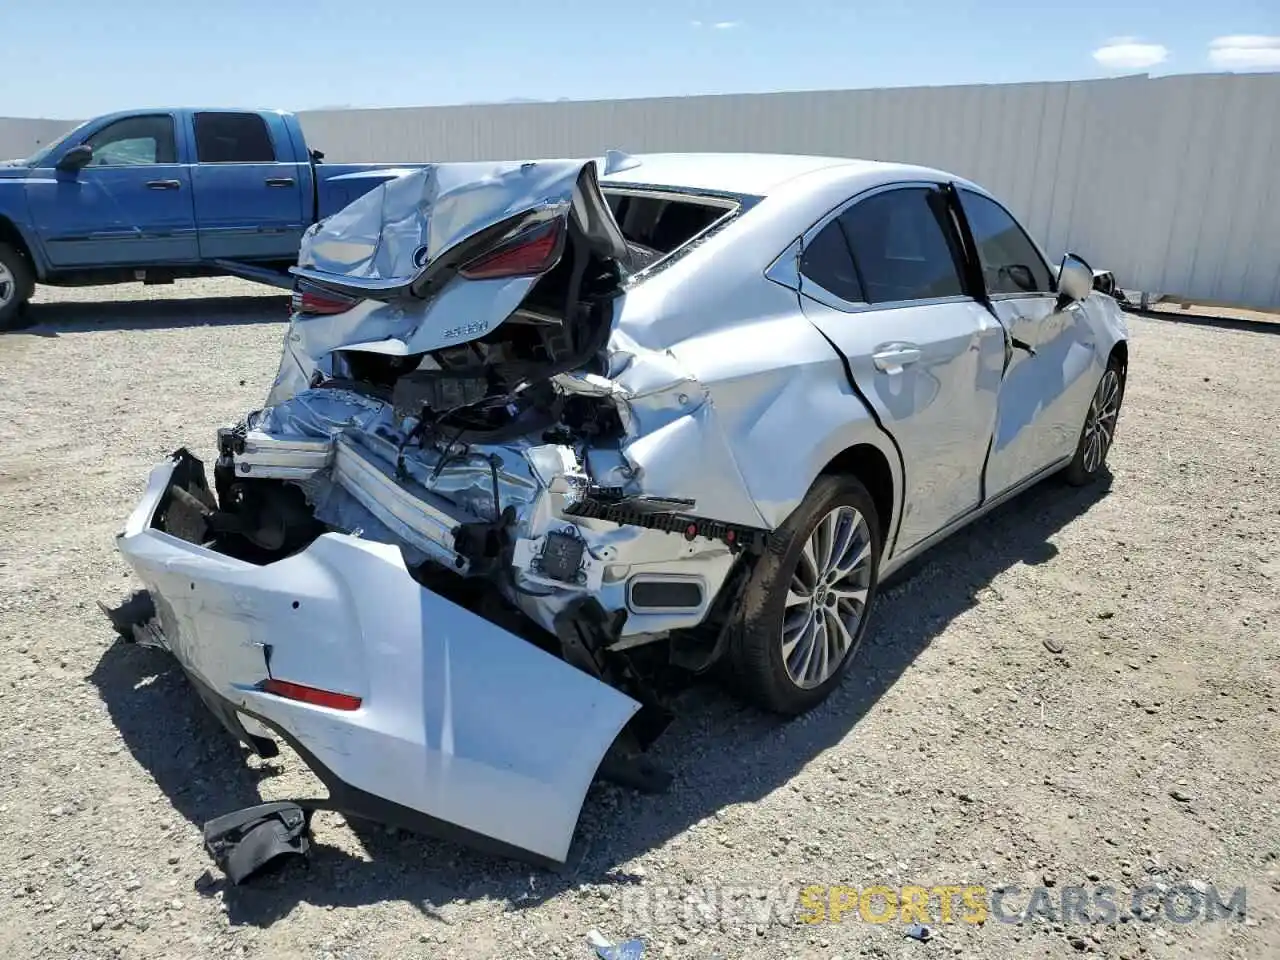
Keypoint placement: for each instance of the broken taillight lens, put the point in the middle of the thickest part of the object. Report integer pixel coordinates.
(316, 303)
(532, 251)
(312, 695)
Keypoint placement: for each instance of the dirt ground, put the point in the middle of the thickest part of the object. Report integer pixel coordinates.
(1079, 691)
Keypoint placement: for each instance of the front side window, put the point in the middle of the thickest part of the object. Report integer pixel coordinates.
(903, 246)
(134, 141)
(233, 138)
(1010, 262)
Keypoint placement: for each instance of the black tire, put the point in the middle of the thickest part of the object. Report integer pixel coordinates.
(18, 267)
(1099, 424)
(756, 659)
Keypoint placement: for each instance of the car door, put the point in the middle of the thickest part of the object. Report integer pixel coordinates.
(1050, 353)
(882, 279)
(249, 203)
(131, 204)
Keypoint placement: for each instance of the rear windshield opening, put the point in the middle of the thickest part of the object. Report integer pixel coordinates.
(660, 224)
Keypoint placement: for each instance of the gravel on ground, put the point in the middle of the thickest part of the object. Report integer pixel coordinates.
(1081, 690)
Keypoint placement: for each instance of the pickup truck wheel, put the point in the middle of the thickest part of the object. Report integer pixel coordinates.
(805, 609)
(17, 282)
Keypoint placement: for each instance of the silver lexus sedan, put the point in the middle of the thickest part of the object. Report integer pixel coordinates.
(539, 425)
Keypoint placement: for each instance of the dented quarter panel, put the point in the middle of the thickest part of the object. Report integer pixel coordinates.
(789, 422)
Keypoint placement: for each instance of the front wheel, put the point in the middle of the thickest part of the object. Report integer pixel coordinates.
(805, 610)
(1099, 429)
(16, 285)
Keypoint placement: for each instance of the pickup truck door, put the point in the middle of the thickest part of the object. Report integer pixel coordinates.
(131, 204)
(1050, 370)
(249, 199)
(882, 278)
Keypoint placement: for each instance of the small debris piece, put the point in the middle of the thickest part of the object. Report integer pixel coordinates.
(918, 931)
(631, 950)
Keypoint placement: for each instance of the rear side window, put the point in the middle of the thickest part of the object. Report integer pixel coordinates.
(233, 138)
(134, 141)
(1010, 261)
(828, 263)
(903, 246)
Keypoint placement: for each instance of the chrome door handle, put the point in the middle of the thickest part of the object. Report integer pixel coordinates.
(164, 184)
(893, 358)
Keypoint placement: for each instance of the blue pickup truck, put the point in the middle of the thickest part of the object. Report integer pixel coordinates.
(155, 195)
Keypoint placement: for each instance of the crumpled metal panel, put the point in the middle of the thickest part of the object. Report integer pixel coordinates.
(534, 478)
(379, 245)
(461, 721)
(393, 233)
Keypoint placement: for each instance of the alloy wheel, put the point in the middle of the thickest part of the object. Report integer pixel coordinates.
(827, 598)
(1100, 426)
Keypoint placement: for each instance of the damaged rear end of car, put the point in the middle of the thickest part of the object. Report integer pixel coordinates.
(439, 560)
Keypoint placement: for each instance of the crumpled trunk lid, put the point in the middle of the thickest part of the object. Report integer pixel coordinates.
(400, 249)
(386, 244)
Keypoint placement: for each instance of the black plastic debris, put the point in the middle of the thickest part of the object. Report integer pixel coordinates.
(244, 842)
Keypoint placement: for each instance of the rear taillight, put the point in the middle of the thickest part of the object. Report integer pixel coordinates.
(312, 695)
(530, 252)
(315, 302)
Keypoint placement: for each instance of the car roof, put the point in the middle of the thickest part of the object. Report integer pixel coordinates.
(745, 174)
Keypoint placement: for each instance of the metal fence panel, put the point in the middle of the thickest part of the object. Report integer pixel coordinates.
(1169, 181)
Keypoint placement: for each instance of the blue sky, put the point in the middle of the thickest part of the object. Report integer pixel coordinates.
(73, 58)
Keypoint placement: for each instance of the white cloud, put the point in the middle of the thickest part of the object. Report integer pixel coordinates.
(1245, 53)
(726, 24)
(1128, 53)
(718, 25)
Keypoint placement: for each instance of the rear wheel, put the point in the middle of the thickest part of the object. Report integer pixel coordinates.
(17, 282)
(1099, 429)
(805, 609)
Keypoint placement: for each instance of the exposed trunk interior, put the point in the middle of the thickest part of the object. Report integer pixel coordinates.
(489, 387)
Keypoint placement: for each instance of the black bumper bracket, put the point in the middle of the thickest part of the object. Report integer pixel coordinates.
(244, 842)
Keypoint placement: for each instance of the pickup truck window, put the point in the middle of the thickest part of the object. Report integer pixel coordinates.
(233, 138)
(134, 141)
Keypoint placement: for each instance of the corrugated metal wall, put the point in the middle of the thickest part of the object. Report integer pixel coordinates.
(21, 138)
(1169, 182)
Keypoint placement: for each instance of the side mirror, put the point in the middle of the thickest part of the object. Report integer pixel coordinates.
(1022, 276)
(1075, 280)
(76, 157)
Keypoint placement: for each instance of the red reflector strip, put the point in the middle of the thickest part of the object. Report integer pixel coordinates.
(312, 695)
(535, 252)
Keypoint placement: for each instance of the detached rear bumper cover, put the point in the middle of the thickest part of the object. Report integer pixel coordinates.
(463, 728)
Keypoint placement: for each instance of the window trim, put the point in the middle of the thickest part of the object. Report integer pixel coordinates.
(195, 139)
(806, 285)
(962, 189)
(173, 133)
